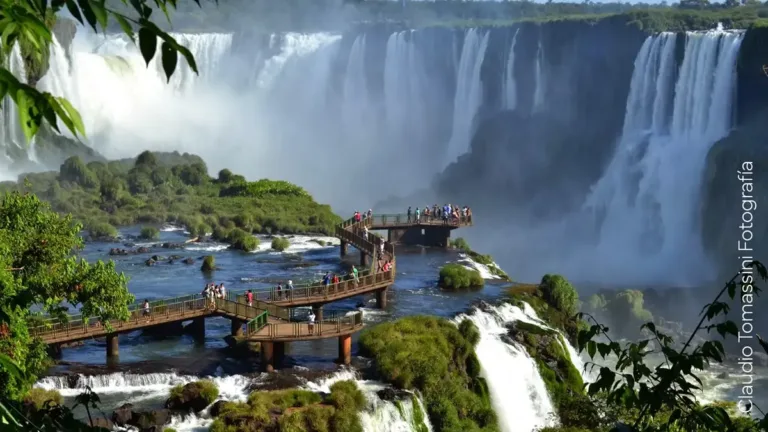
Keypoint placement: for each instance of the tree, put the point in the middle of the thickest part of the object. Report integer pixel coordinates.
(662, 398)
(38, 270)
(26, 21)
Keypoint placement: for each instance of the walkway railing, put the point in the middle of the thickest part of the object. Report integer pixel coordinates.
(326, 327)
(257, 323)
(403, 219)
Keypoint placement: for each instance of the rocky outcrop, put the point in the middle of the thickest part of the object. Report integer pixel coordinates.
(193, 397)
(142, 420)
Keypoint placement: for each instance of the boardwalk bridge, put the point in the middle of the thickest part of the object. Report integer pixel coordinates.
(270, 320)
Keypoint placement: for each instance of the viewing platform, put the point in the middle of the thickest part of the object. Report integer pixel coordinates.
(408, 230)
(270, 320)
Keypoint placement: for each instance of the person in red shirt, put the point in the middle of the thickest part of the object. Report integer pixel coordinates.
(249, 298)
(335, 279)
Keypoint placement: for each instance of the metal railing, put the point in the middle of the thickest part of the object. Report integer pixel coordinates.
(326, 327)
(257, 323)
(404, 219)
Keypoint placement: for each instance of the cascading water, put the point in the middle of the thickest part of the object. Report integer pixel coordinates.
(647, 201)
(539, 94)
(518, 394)
(469, 92)
(510, 83)
(381, 415)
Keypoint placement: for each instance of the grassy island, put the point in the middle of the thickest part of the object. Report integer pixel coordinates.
(486, 260)
(157, 188)
(294, 410)
(457, 277)
(436, 358)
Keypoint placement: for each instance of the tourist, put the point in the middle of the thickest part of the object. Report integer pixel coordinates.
(222, 291)
(381, 247)
(370, 213)
(409, 214)
(146, 309)
(387, 266)
(279, 291)
(249, 298)
(311, 319)
(357, 216)
(212, 298)
(365, 233)
(418, 214)
(335, 279)
(435, 212)
(355, 276)
(327, 279)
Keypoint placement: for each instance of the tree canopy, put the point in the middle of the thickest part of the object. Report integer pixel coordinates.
(38, 271)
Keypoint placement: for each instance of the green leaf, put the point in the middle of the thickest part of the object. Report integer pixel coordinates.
(97, 6)
(591, 348)
(127, 29)
(74, 116)
(74, 10)
(170, 59)
(90, 16)
(9, 34)
(147, 44)
(26, 110)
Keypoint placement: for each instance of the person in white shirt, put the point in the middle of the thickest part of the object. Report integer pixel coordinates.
(222, 291)
(311, 322)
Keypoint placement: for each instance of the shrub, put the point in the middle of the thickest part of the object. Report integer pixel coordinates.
(457, 277)
(102, 230)
(37, 398)
(460, 243)
(209, 263)
(560, 293)
(432, 355)
(149, 233)
(193, 396)
(242, 240)
(280, 243)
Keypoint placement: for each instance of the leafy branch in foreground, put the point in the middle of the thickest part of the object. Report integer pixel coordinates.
(663, 397)
(25, 20)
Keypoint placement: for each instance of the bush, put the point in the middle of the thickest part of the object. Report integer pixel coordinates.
(458, 277)
(101, 230)
(242, 240)
(560, 293)
(280, 243)
(460, 243)
(433, 356)
(209, 263)
(149, 233)
(194, 396)
(37, 398)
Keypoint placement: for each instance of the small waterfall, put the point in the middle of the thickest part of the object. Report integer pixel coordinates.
(648, 199)
(12, 134)
(518, 393)
(539, 94)
(381, 415)
(509, 84)
(469, 92)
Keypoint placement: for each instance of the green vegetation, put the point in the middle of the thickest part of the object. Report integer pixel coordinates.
(38, 398)
(149, 233)
(554, 300)
(193, 396)
(435, 357)
(559, 293)
(160, 188)
(38, 267)
(209, 263)
(280, 243)
(458, 277)
(486, 260)
(102, 231)
(625, 310)
(294, 411)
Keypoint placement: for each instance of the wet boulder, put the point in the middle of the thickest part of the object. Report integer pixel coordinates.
(194, 396)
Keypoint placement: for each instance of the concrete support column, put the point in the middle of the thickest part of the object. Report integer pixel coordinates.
(113, 346)
(381, 298)
(272, 355)
(267, 356)
(345, 349)
(343, 248)
(364, 259)
(237, 327)
(198, 329)
(318, 310)
(54, 351)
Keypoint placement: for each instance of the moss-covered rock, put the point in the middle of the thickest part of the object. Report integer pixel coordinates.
(553, 301)
(38, 398)
(458, 277)
(435, 357)
(280, 244)
(194, 396)
(209, 264)
(294, 411)
(486, 260)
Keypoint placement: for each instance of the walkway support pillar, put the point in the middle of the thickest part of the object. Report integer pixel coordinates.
(198, 329)
(364, 259)
(272, 355)
(343, 248)
(113, 346)
(381, 298)
(318, 310)
(237, 327)
(345, 349)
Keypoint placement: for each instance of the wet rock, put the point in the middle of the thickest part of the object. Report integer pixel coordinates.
(101, 422)
(193, 397)
(123, 414)
(129, 244)
(391, 394)
(143, 249)
(172, 245)
(149, 263)
(216, 408)
(143, 420)
(188, 261)
(157, 258)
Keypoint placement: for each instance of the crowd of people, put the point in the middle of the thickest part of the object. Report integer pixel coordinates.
(211, 292)
(448, 213)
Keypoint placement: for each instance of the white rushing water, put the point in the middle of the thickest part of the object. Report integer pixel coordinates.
(510, 81)
(518, 394)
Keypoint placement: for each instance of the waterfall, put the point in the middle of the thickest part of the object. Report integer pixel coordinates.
(509, 84)
(12, 134)
(647, 201)
(380, 416)
(539, 93)
(518, 394)
(469, 92)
